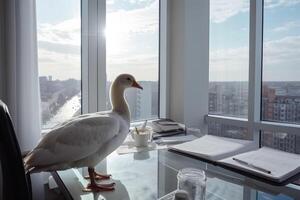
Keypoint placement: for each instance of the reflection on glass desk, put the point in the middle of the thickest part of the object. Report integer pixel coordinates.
(151, 175)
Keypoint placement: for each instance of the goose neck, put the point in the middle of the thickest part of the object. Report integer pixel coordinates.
(119, 103)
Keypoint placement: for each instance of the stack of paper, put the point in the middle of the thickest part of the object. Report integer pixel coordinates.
(165, 125)
(215, 148)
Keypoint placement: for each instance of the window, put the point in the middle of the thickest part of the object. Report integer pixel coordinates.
(59, 59)
(283, 141)
(228, 66)
(268, 109)
(132, 43)
(281, 72)
(77, 64)
(229, 59)
(230, 131)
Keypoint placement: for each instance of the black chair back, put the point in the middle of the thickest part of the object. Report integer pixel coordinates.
(15, 183)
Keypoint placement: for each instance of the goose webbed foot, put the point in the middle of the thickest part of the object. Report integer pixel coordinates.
(99, 176)
(93, 187)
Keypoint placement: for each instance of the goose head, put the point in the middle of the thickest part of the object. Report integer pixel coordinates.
(117, 99)
(124, 81)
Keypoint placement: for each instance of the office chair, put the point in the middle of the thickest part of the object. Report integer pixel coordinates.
(15, 183)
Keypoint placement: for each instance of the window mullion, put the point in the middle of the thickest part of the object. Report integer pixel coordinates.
(89, 55)
(84, 56)
(255, 64)
(278, 127)
(101, 56)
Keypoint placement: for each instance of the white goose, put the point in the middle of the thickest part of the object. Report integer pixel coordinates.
(85, 140)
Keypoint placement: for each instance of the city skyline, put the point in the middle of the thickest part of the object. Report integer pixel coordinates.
(280, 102)
(61, 100)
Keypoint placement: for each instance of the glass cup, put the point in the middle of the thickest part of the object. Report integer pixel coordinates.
(193, 181)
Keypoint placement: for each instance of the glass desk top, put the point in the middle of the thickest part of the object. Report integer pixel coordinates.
(151, 175)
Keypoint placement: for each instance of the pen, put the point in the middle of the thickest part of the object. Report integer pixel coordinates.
(252, 166)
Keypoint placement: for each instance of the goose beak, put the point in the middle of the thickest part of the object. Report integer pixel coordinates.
(136, 85)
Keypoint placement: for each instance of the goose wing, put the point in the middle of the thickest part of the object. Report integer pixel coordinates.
(74, 140)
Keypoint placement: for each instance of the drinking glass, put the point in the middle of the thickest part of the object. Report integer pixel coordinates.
(193, 181)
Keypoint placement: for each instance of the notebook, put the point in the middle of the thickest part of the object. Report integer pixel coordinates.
(214, 148)
(281, 165)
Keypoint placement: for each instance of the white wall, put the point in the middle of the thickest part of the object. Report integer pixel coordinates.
(176, 58)
(188, 61)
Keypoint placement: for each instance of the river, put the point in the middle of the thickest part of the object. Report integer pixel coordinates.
(65, 112)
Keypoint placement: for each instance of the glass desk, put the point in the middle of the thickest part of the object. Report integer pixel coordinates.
(151, 175)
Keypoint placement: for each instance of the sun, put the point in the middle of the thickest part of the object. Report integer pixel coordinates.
(115, 34)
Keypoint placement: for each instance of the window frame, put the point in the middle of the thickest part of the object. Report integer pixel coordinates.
(163, 63)
(93, 55)
(254, 123)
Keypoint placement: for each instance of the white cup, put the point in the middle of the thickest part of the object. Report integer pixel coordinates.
(142, 138)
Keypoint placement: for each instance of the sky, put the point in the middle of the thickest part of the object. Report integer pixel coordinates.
(132, 39)
(229, 40)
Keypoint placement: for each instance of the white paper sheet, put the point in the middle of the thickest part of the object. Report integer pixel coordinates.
(281, 164)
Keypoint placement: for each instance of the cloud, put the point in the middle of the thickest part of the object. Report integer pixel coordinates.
(277, 3)
(287, 26)
(281, 61)
(59, 49)
(142, 66)
(282, 51)
(229, 64)
(134, 60)
(132, 42)
(59, 65)
(133, 21)
(129, 43)
(65, 32)
(221, 10)
(110, 2)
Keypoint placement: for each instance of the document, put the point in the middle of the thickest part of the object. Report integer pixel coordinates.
(272, 164)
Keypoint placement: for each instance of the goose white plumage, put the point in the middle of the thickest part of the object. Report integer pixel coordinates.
(85, 140)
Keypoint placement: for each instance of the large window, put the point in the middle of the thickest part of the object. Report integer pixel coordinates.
(229, 59)
(281, 72)
(76, 68)
(59, 59)
(258, 98)
(132, 43)
(229, 65)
